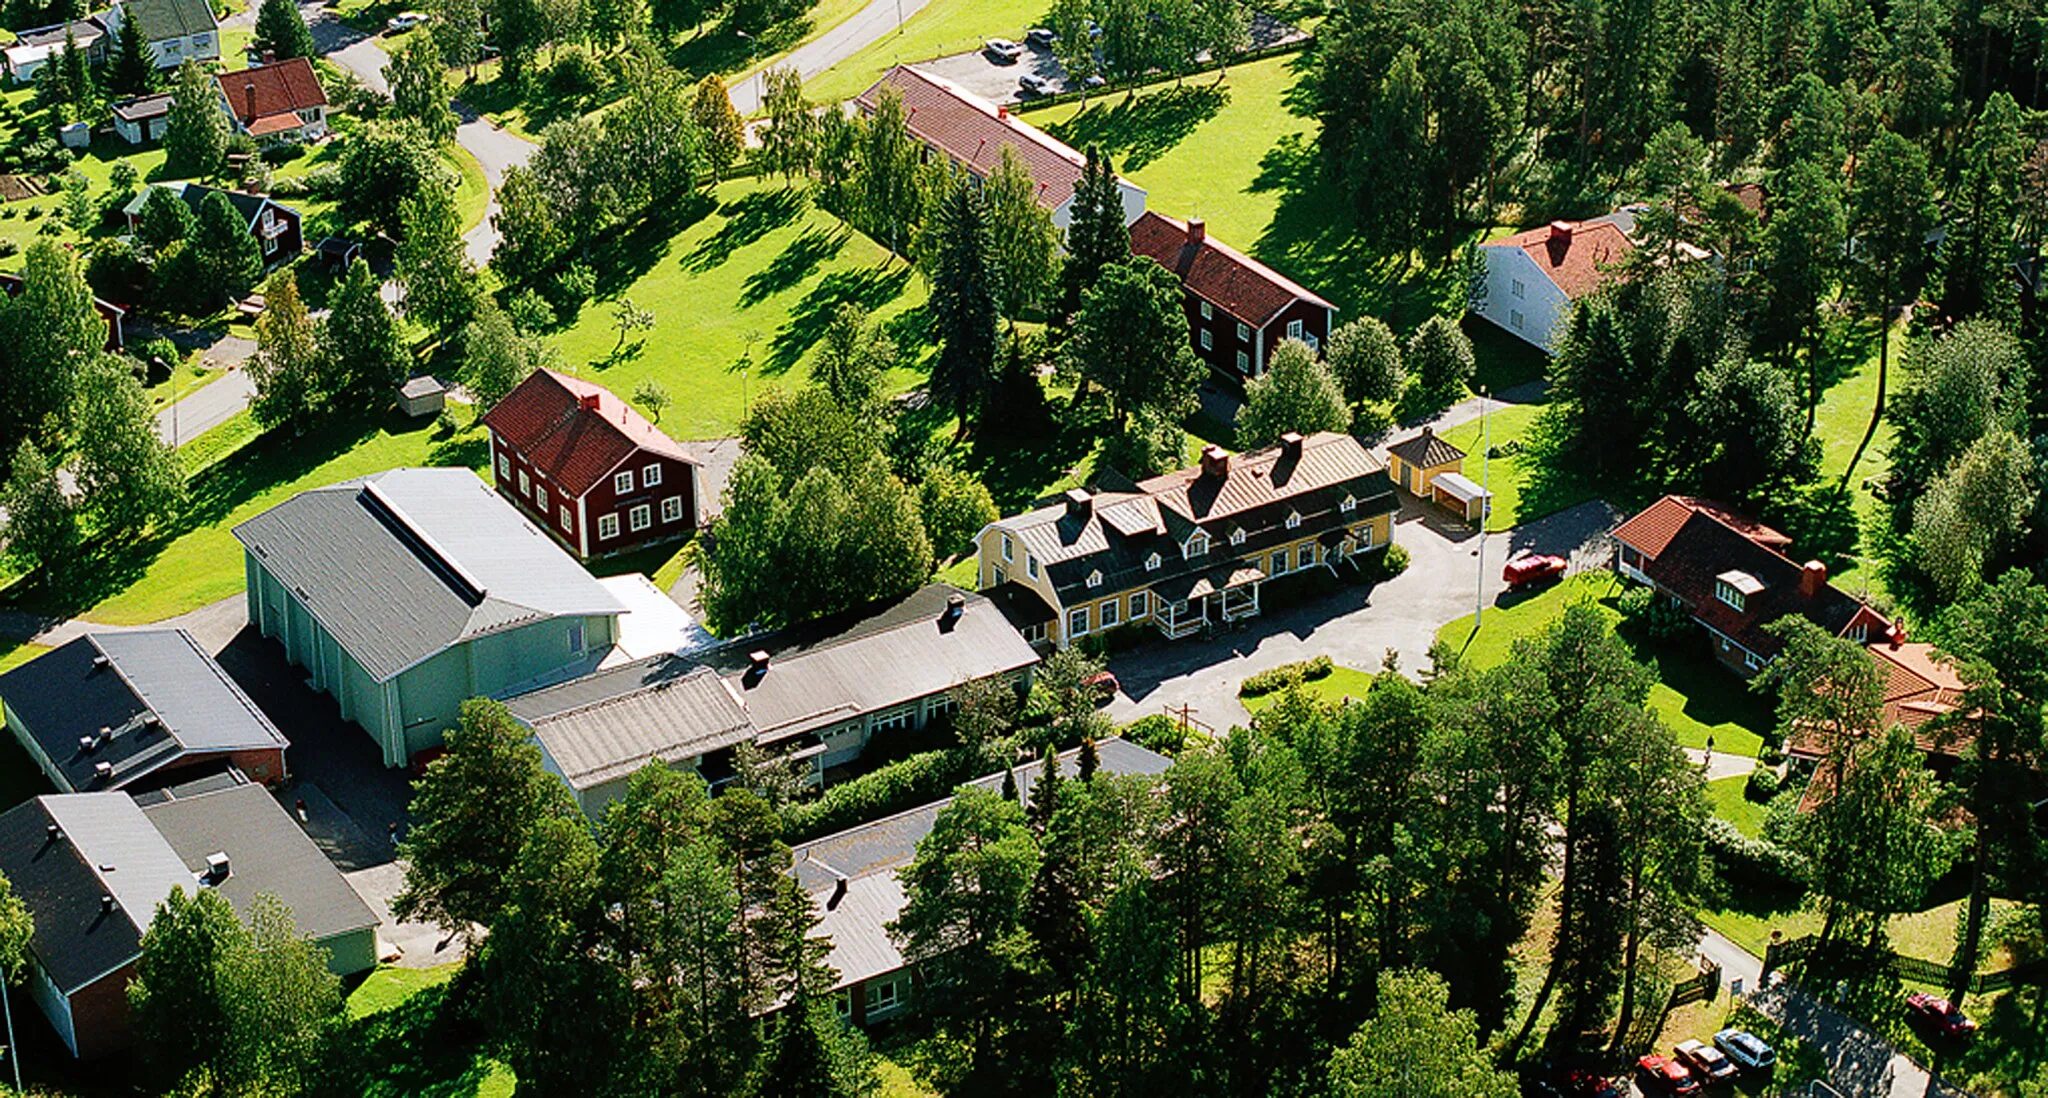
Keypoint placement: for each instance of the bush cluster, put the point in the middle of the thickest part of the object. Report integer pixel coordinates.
(919, 779)
(1763, 785)
(1157, 732)
(1754, 862)
(1276, 679)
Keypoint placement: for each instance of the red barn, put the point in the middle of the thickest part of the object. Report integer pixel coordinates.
(587, 468)
(1238, 308)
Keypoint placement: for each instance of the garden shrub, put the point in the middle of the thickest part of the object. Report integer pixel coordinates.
(1770, 755)
(1763, 785)
(1754, 862)
(919, 779)
(1273, 680)
(1157, 732)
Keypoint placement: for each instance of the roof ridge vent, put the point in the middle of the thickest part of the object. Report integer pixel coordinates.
(468, 587)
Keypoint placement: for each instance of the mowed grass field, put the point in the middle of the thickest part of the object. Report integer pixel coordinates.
(745, 282)
(939, 29)
(1522, 489)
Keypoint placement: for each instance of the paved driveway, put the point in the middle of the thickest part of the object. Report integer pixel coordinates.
(879, 18)
(1445, 579)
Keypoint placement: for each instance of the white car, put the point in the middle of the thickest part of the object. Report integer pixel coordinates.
(1034, 84)
(1003, 50)
(1746, 1049)
(404, 21)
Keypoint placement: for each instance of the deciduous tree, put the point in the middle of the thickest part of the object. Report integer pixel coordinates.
(1296, 393)
(439, 286)
(128, 477)
(365, 352)
(496, 357)
(1023, 244)
(418, 76)
(195, 129)
(1131, 338)
(725, 132)
(1417, 1047)
(1440, 356)
(41, 528)
(1367, 360)
(286, 368)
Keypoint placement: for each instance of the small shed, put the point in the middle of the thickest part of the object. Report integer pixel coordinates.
(1414, 463)
(77, 135)
(1455, 492)
(142, 119)
(422, 396)
(336, 254)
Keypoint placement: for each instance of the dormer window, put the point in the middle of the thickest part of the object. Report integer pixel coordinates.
(1197, 544)
(1152, 563)
(1349, 505)
(1237, 536)
(1095, 579)
(1735, 588)
(1008, 548)
(1031, 565)
(1293, 520)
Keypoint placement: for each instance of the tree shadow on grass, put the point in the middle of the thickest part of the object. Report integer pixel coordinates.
(1019, 469)
(425, 1047)
(748, 219)
(620, 259)
(797, 262)
(870, 288)
(1140, 129)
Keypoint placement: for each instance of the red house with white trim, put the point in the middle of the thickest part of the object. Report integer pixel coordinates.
(1238, 308)
(587, 468)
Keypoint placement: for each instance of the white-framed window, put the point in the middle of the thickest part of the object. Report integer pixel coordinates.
(1294, 520)
(540, 497)
(842, 1005)
(1859, 632)
(1008, 548)
(1305, 556)
(1244, 363)
(1279, 563)
(1349, 505)
(1106, 613)
(672, 509)
(1727, 593)
(640, 517)
(1208, 340)
(1208, 311)
(576, 636)
(887, 994)
(1237, 536)
(567, 518)
(623, 483)
(1244, 332)
(895, 721)
(1750, 661)
(607, 526)
(1152, 563)
(1031, 565)
(1095, 579)
(1077, 621)
(1367, 536)
(1141, 604)
(525, 485)
(1294, 329)
(1197, 544)
(1516, 319)
(1518, 289)
(1034, 633)
(504, 467)
(650, 476)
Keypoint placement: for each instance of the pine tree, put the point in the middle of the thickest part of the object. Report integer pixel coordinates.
(963, 303)
(1096, 236)
(195, 129)
(1045, 790)
(134, 71)
(1976, 274)
(281, 31)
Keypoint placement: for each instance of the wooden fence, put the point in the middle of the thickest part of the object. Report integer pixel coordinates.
(1783, 954)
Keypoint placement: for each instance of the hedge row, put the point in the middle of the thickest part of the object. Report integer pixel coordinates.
(1754, 861)
(897, 787)
(1276, 679)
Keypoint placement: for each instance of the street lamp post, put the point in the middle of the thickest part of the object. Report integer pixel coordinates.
(1485, 505)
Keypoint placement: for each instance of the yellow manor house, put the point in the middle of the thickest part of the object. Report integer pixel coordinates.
(1189, 549)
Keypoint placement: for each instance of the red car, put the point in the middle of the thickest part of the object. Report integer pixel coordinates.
(1528, 569)
(1659, 1075)
(1940, 1015)
(1104, 687)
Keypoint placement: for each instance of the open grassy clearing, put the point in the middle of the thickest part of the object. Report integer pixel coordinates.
(740, 288)
(941, 28)
(408, 1048)
(1695, 697)
(1331, 689)
(1521, 489)
(1729, 801)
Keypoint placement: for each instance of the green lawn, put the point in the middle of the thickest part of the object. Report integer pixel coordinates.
(408, 1048)
(1839, 422)
(472, 192)
(1522, 490)
(1727, 799)
(1331, 689)
(387, 987)
(941, 28)
(1695, 697)
(753, 280)
(200, 562)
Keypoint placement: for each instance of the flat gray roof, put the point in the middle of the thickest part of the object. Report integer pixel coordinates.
(267, 852)
(606, 726)
(404, 564)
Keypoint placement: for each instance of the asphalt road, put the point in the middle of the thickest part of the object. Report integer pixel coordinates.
(879, 18)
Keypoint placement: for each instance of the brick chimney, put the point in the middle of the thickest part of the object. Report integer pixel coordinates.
(1290, 444)
(1561, 232)
(588, 401)
(1198, 230)
(1215, 461)
(1812, 577)
(249, 100)
(1080, 503)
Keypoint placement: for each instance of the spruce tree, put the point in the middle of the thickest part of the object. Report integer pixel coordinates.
(963, 304)
(1087, 762)
(1096, 236)
(134, 71)
(281, 31)
(225, 259)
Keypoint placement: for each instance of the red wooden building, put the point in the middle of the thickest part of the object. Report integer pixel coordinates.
(587, 468)
(1238, 308)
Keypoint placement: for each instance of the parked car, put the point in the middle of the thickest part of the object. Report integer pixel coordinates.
(1940, 1015)
(405, 21)
(1528, 569)
(1659, 1075)
(1707, 1063)
(1041, 38)
(1002, 50)
(1104, 685)
(1749, 1051)
(1034, 84)
(1551, 1079)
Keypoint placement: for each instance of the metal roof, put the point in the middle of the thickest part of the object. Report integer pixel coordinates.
(103, 847)
(404, 564)
(870, 855)
(164, 19)
(1460, 486)
(267, 853)
(145, 698)
(608, 725)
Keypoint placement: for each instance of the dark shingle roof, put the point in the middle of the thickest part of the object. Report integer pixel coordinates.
(156, 694)
(1426, 450)
(103, 847)
(404, 564)
(267, 853)
(161, 19)
(1217, 273)
(143, 107)
(575, 433)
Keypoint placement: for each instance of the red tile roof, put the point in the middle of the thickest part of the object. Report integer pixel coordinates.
(1217, 273)
(972, 132)
(1572, 253)
(575, 432)
(1652, 528)
(257, 96)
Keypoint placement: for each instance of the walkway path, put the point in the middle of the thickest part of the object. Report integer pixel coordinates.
(212, 625)
(869, 24)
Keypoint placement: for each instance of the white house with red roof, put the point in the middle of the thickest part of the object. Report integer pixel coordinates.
(588, 469)
(1534, 277)
(971, 132)
(276, 103)
(1238, 308)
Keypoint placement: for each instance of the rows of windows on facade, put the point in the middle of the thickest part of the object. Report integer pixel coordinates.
(638, 517)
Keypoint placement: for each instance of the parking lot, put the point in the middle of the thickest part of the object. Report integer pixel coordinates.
(996, 79)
